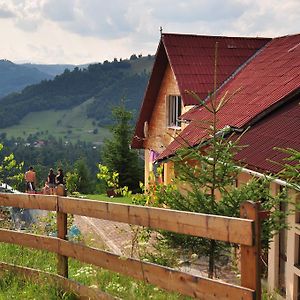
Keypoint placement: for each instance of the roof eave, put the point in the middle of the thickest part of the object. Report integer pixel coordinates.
(151, 93)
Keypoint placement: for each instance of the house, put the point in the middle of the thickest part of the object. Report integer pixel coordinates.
(184, 62)
(266, 74)
(280, 128)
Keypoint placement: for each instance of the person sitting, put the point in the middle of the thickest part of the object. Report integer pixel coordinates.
(46, 189)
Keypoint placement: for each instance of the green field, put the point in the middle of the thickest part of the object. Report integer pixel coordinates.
(102, 197)
(70, 125)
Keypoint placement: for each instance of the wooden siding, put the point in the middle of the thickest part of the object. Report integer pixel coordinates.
(159, 135)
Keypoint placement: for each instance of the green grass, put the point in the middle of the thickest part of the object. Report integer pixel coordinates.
(17, 287)
(103, 197)
(70, 125)
(12, 287)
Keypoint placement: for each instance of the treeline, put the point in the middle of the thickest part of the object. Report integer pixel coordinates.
(53, 154)
(107, 83)
(130, 88)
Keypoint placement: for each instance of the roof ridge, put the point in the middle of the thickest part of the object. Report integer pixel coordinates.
(214, 36)
(285, 36)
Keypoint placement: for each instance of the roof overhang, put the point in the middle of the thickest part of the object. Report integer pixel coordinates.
(157, 74)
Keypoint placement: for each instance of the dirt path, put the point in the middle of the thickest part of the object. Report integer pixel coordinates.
(117, 238)
(114, 236)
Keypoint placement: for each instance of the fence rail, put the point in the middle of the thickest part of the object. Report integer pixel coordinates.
(241, 231)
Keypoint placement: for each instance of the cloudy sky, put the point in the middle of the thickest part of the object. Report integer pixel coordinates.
(81, 31)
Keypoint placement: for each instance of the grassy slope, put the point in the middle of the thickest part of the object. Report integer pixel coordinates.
(71, 125)
(74, 124)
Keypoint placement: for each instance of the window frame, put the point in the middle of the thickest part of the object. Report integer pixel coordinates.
(174, 111)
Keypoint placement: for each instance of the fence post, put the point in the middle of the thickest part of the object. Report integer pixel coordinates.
(250, 255)
(62, 231)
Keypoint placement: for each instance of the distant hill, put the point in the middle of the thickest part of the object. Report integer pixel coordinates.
(103, 84)
(52, 70)
(15, 77)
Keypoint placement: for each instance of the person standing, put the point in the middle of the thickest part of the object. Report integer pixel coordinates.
(51, 178)
(51, 181)
(59, 177)
(30, 178)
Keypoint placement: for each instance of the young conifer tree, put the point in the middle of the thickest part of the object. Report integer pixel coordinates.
(291, 167)
(205, 182)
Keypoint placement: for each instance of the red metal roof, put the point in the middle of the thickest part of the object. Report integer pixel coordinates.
(279, 129)
(270, 77)
(192, 60)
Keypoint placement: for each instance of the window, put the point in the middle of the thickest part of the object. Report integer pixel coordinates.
(174, 111)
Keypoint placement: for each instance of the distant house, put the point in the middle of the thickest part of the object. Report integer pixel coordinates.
(39, 144)
(267, 74)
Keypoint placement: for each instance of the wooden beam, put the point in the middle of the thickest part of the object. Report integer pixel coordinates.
(34, 201)
(250, 255)
(234, 230)
(221, 228)
(62, 231)
(163, 277)
(166, 278)
(29, 240)
(38, 276)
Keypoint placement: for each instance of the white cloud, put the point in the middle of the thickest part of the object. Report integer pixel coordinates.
(89, 17)
(78, 31)
(5, 12)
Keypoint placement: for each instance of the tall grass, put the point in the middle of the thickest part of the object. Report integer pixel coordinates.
(17, 287)
(14, 287)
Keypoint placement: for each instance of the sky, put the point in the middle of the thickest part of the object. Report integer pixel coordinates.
(84, 31)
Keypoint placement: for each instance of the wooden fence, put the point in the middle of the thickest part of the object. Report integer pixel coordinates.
(244, 231)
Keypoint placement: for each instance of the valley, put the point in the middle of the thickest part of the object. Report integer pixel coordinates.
(76, 104)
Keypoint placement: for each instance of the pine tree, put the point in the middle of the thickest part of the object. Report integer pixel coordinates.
(117, 155)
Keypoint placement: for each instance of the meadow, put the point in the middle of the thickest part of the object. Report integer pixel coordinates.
(70, 125)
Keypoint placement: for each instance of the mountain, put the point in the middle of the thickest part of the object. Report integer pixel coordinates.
(53, 70)
(101, 86)
(15, 77)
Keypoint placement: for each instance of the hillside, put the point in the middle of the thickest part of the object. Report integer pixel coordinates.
(53, 70)
(105, 84)
(70, 125)
(15, 77)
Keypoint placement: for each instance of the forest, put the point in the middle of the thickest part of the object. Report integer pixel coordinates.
(107, 83)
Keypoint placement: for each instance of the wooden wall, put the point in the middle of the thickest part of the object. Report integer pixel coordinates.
(159, 136)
